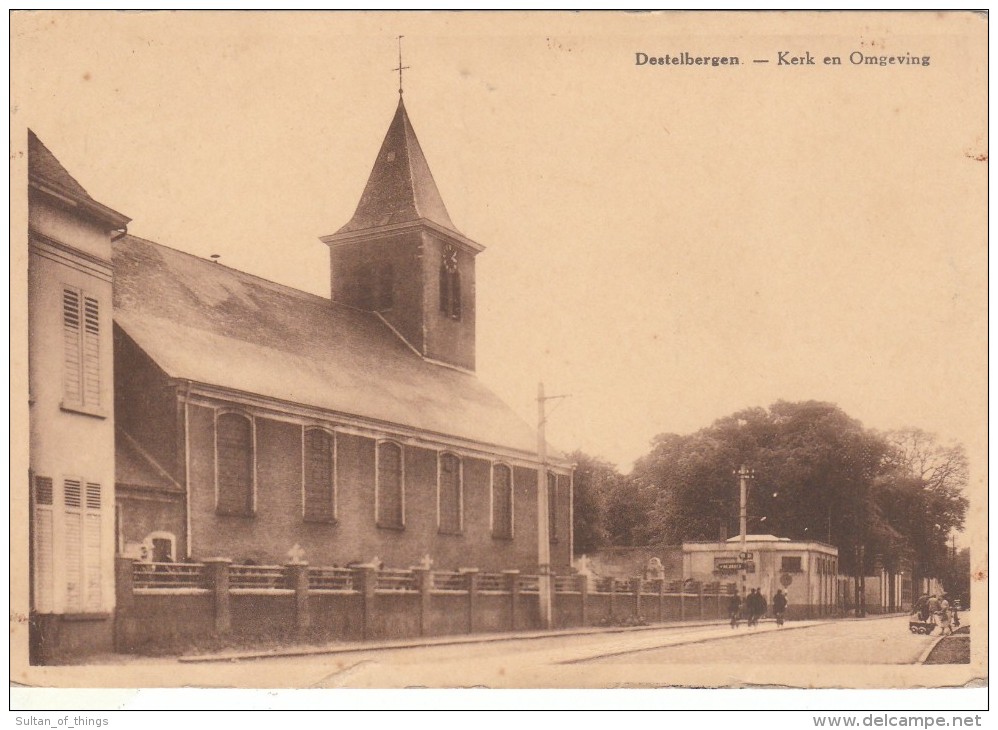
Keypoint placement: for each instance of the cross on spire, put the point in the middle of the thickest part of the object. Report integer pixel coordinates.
(400, 67)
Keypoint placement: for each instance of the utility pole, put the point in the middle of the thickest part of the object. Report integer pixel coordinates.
(544, 586)
(543, 537)
(743, 474)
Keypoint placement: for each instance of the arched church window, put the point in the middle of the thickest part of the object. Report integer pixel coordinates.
(234, 446)
(502, 501)
(318, 476)
(552, 507)
(449, 497)
(389, 489)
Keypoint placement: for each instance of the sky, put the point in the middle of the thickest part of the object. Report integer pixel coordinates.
(664, 244)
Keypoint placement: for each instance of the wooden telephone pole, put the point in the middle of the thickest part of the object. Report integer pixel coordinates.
(544, 583)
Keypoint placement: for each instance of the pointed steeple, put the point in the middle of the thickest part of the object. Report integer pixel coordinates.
(401, 187)
(401, 257)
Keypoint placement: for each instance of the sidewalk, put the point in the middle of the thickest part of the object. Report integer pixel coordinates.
(715, 629)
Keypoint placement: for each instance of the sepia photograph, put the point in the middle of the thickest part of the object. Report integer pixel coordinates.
(527, 350)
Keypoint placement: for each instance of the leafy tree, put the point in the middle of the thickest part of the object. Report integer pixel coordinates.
(595, 480)
(956, 576)
(889, 499)
(921, 492)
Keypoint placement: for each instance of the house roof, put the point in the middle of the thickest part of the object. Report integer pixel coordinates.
(46, 173)
(210, 324)
(43, 164)
(400, 188)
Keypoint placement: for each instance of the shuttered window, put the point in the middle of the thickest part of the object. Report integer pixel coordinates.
(318, 476)
(81, 348)
(450, 497)
(83, 542)
(44, 575)
(502, 501)
(234, 446)
(390, 496)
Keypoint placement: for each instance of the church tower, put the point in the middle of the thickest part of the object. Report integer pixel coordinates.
(401, 256)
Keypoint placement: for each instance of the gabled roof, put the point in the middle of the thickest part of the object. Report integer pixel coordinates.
(46, 174)
(401, 187)
(204, 322)
(44, 165)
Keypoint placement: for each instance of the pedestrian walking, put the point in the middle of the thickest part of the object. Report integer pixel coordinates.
(734, 609)
(752, 607)
(945, 617)
(933, 608)
(779, 607)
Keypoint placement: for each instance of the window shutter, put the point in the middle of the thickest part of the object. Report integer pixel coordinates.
(73, 387)
(390, 513)
(82, 504)
(71, 493)
(91, 561)
(74, 556)
(91, 352)
(81, 348)
(44, 573)
(93, 496)
(318, 476)
(43, 491)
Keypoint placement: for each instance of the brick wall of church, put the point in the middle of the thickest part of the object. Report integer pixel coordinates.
(354, 278)
(277, 524)
(449, 339)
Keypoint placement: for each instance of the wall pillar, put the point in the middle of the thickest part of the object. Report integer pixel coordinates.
(613, 596)
(424, 581)
(513, 586)
(124, 600)
(471, 585)
(298, 581)
(583, 583)
(636, 589)
(366, 578)
(218, 581)
(660, 589)
(700, 597)
(682, 600)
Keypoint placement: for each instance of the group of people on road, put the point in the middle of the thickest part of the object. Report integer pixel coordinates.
(753, 607)
(937, 610)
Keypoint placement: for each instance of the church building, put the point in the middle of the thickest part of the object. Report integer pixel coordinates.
(183, 410)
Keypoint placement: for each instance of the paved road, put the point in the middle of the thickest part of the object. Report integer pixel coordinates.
(885, 641)
(875, 652)
(657, 657)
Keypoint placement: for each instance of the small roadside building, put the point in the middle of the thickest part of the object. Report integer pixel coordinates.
(805, 571)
